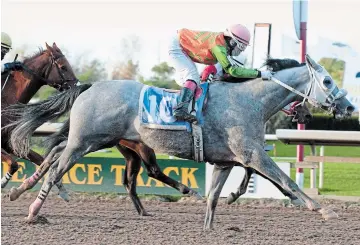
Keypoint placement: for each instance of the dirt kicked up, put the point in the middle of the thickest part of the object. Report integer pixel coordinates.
(112, 220)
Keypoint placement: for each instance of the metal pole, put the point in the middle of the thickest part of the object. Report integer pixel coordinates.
(253, 48)
(321, 168)
(300, 148)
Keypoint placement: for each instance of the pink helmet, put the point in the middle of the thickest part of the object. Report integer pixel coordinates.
(240, 34)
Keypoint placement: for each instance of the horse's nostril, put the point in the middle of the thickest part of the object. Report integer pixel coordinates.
(350, 109)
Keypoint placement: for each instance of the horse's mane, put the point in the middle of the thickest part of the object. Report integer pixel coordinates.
(276, 65)
(272, 64)
(36, 54)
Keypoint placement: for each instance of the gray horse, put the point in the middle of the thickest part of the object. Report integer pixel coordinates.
(299, 113)
(233, 130)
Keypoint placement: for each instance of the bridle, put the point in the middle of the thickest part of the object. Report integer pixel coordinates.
(64, 83)
(291, 108)
(328, 104)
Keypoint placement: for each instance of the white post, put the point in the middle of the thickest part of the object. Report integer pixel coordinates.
(313, 170)
(321, 168)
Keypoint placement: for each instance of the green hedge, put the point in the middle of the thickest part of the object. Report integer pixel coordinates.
(327, 122)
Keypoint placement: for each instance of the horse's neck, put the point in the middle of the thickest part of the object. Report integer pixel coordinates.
(19, 88)
(22, 86)
(275, 97)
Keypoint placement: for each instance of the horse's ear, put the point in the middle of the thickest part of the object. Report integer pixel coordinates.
(49, 48)
(56, 47)
(311, 62)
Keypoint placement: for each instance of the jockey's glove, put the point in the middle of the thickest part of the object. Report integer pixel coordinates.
(266, 75)
(208, 73)
(14, 66)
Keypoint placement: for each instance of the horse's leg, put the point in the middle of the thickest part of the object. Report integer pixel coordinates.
(39, 173)
(294, 200)
(37, 159)
(67, 159)
(219, 176)
(133, 164)
(13, 167)
(242, 188)
(149, 158)
(262, 163)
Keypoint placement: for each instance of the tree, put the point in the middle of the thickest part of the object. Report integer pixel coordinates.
(162, 72)
(162, 77)
(128, 70)
(90, 71)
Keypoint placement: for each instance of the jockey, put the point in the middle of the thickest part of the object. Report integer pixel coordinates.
(204, 47)
(5, 48)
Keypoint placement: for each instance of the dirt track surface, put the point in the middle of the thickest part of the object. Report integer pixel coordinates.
(111, 220)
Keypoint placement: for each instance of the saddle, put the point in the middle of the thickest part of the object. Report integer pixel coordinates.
(156, 112)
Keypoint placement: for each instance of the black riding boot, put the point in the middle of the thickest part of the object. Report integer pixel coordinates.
(181, 112)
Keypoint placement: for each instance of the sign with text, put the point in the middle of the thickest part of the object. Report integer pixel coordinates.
(92, 174)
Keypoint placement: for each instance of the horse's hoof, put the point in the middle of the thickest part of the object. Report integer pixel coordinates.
(231, 198)
(297, 203)
(37, 219)
(328, 214)
(144, 213)
(64, 195)
(196, 195)
(30, 219)
(13, 194)
(208, 228)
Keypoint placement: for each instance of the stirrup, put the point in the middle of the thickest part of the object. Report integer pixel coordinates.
(185, 116)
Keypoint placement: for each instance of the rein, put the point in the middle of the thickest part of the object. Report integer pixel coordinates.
(306, 97)
(59, 86)
(292, 108)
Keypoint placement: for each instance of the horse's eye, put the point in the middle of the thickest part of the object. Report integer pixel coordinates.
(64, 68)
(327, 82)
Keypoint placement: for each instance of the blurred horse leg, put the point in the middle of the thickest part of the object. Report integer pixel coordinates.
(37, 159)
(133, 165)
(13, 167)
(39, 173)
(149, 158)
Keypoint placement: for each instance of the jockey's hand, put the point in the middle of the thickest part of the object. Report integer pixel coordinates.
(13, 66)
(208, 73)
(266, 75)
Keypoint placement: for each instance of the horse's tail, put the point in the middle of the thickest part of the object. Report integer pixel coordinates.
(31, 116)
(58, 137)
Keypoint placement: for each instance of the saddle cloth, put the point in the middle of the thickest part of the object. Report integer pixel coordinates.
(157, 106)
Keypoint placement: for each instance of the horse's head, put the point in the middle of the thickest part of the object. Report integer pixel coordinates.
(52, 68)
(60, 74)
(324, 92)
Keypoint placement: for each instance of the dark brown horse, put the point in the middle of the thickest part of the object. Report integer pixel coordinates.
(47, 67)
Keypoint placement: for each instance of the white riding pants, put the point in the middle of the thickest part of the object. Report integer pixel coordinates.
(185, 68)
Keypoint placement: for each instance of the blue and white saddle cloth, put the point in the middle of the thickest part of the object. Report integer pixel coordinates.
(156, 106)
